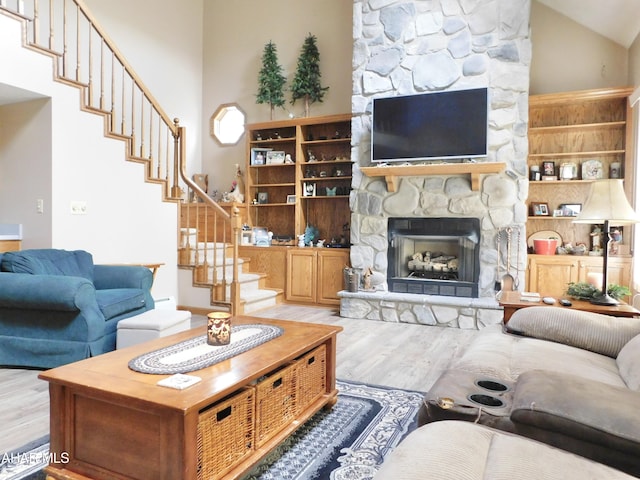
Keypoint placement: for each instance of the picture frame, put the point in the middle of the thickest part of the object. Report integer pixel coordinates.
(592, 170)
(309, 189)
(291, 199)
(261, 236)
(539, 209)
(263, 198)
(259, 155)
(275, 157)
(548, 168)
(570, 209)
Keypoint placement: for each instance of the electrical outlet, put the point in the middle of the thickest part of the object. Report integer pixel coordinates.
(39, 205)
(78, 207)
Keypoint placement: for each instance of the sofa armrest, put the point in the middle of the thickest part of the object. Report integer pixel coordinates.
(45, 292)
(122, 276)
(595, 332)
(578, 407)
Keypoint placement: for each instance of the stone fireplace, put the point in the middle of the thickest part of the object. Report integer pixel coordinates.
(413, 46)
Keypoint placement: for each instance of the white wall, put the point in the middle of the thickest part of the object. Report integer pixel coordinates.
(126, 221)
(634, 62)
(25, 168)
(568, 56)
(234, 39)
(162, 41)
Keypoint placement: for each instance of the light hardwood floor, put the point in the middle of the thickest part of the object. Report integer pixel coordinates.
(380, 353)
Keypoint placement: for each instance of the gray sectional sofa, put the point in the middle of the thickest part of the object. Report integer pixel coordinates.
(566, 378)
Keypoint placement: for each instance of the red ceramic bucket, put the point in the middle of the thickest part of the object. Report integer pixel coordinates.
(545, 246)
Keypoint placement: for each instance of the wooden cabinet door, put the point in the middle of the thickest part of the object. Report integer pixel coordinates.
(550, 274)
(618, 269)
(331, 263)
(301, 275)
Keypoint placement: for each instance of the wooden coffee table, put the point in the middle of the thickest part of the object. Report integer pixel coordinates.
(511, 302)
(112, 422)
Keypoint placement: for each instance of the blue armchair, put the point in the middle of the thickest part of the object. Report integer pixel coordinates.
(57, 307)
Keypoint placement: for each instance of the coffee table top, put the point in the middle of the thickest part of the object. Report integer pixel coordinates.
(110, 373)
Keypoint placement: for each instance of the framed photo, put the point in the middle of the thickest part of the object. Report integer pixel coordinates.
(261, 236)
(259, 155)
(570, 209)
(309, 189)
(275, 157)
(539, 209)
(548, 169)
(592, 170)
(263, 197)
(291, 199)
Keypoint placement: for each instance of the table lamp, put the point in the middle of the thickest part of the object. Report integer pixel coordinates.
(608, 204)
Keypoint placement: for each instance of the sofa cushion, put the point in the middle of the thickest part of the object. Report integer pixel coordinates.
(504, 356)
(452, 450)
(117, 301)
(76, 263)
(628, 362)
(598, 333)
(580, 408)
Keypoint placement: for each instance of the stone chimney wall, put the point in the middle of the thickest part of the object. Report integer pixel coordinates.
(415, 46)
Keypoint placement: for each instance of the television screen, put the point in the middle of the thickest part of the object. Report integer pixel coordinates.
(440, 125)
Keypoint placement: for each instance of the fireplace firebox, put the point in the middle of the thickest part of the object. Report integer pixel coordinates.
(434, 256)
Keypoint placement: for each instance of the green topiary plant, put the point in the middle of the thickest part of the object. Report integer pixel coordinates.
(270, 79)
(306, 83)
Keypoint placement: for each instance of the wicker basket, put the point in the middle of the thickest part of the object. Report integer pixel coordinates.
(311, 377)
(275, 403)
(225, 434)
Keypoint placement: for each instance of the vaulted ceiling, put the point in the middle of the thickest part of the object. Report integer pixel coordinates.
(618, 20)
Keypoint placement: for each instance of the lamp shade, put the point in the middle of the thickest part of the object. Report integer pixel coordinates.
(607, 201)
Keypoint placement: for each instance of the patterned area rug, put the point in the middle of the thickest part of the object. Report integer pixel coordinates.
(349, 442)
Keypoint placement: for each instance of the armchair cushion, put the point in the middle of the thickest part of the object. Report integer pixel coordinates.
(117, 301)
(628, 362)
(76, 263)
(597, 333)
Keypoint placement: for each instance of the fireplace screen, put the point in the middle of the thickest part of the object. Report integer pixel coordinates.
(434, 256)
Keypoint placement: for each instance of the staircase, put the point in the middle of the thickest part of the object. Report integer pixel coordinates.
(84, 57)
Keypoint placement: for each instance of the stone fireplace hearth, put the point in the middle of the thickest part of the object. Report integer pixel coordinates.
(413, 46)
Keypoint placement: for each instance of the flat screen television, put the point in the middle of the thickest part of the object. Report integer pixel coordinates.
(427, 126)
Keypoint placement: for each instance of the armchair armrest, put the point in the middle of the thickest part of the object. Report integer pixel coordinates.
(122, 276)
(595, 332)
(45, 292)
(580, 408)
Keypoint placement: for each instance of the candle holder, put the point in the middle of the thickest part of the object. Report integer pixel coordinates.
(218, 328)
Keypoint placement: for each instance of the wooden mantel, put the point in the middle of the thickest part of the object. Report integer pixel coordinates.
(392, 172)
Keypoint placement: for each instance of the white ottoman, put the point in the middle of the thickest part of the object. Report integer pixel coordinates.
(151, 324)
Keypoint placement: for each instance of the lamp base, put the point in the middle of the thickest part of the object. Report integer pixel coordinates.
(604, 300)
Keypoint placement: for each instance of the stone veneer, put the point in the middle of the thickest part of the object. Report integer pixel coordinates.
(414, 46)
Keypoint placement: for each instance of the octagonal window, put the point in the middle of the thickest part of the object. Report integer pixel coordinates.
(227, 124)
